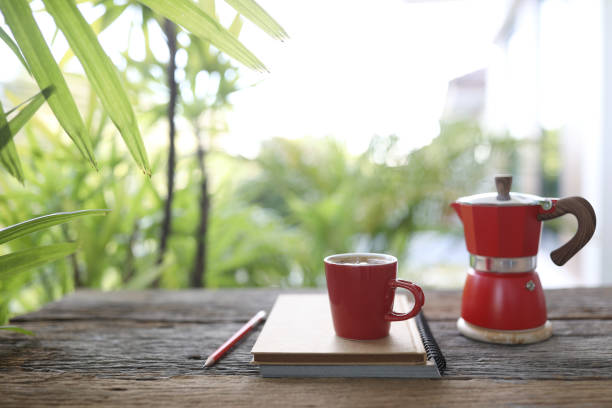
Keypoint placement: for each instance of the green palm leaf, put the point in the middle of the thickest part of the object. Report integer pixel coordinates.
(209, 7)
(45, 221)
(8, 152)
(44, 69)
(9, 41)
(234, 28)
(194, 19)
(21, 261)
(253, 11)
(102, 75)
(111, 14)
(25, 114)
(44, 93)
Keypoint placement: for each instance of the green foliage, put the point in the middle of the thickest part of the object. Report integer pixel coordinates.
(8, 153)
(252, 11)
(26, 110)
(272, 219)
(120, 249)
(102, 75)
(187, 14)
(111, 13)
(45, 71)
(39, 223)
(9, 41)
(14, 265)
(31, 49)
(8, 156)
(33, 52)
(340, 203)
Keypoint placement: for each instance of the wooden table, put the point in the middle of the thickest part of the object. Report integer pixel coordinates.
(147, 348)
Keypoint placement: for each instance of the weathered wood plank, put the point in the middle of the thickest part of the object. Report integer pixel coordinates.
(203, 306)
(107, 348)
(580, 349)
(123, 349)
(198, 306)
(22, 389)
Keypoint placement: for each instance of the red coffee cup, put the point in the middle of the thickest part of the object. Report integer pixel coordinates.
(361, 289)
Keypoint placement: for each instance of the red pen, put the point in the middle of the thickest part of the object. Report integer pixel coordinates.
(234, 339)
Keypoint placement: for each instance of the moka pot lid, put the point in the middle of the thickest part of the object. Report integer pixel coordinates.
(503, 196)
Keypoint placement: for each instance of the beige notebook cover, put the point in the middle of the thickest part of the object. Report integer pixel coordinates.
(299, 330)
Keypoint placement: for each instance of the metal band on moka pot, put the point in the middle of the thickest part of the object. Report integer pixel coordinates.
(503, 265)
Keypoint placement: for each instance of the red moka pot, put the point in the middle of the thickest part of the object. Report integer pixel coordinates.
(503, 300)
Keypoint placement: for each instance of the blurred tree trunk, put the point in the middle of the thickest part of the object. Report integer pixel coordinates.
(129, 269)
(199, 265)
(166, 228)
(76, 271)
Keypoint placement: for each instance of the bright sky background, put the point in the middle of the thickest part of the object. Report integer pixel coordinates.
(355, 69)
(351, 69)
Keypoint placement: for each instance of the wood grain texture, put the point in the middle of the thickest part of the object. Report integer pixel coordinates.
(135, 350)
(579, 349)
(234, 305)
(584, 213)
(237, 391)
(196, 306)
(148, 348)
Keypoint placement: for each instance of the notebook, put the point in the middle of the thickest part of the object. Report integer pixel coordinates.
(298, 340)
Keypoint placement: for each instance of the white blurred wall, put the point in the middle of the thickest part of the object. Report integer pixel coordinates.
(552, 69)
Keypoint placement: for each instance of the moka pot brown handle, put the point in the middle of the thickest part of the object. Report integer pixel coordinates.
(584, 213)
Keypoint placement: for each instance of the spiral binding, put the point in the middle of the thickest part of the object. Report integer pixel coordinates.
(431, 346)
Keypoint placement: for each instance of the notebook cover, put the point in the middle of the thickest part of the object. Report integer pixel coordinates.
(299, 331)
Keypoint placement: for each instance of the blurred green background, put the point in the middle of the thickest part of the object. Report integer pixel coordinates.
(235, 221)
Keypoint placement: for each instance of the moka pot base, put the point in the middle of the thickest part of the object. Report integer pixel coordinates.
(529, 336)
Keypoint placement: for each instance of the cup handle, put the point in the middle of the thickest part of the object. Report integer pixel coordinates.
(584, 213)
(419, 300)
